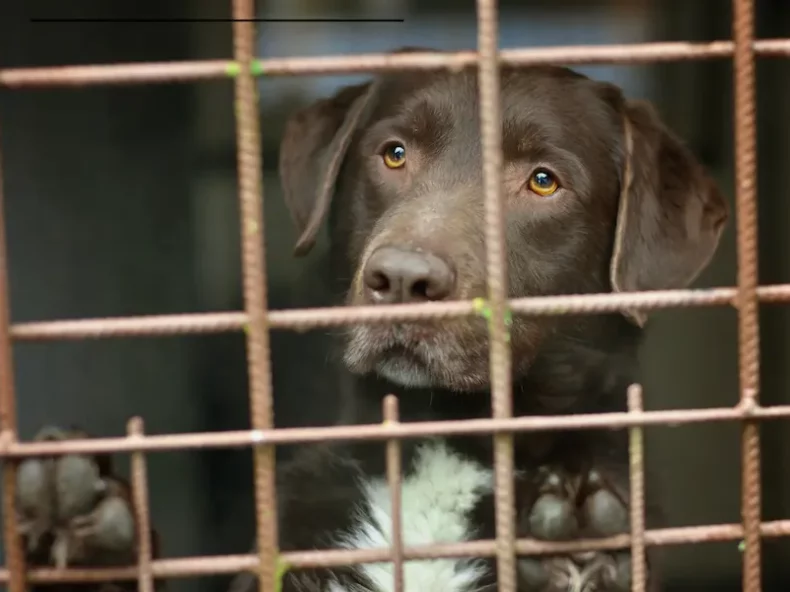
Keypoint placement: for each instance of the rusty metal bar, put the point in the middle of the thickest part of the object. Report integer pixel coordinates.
(490, 113)
(139, 471)
(373, 432)
(310, 318)
(637, 475)
(747, 300)
(250, 171)
(229, 564)
(394, 476)
(15, 557)
(192, 71)
(177, 324)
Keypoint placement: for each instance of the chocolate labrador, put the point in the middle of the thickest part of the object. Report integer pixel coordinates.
(599, 196)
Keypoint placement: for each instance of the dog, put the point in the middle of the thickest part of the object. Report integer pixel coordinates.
(599, 196)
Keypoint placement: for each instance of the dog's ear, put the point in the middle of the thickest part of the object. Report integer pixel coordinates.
(671, 214)
(312, 150)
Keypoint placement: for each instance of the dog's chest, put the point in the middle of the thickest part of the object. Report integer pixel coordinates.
(438, 496)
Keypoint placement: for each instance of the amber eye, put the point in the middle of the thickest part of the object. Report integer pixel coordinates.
(394, 156)
(543, 183)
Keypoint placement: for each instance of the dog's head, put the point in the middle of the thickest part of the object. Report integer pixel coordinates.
(598, 195)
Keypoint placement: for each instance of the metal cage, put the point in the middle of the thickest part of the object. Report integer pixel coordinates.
(256, 321)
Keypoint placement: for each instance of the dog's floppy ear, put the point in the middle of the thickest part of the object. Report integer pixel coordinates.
(312, 150)
(671, 213)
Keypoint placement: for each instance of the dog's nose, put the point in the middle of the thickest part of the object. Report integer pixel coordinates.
(395, 276)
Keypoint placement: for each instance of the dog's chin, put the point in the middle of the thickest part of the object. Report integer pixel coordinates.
(405, 371)
(419, 359)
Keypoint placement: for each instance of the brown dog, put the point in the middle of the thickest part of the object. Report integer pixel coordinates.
(599, 197)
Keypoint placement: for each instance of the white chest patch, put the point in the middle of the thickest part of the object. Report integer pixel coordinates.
(436, 500)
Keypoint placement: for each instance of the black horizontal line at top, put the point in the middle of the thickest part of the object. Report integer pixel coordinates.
(215, 20)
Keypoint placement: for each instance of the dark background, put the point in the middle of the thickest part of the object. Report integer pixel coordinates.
(121, 201)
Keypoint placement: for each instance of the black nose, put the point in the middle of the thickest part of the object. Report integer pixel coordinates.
(395, 276)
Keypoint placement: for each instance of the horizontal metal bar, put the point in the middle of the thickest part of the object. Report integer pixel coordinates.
(142, 326)
(187, 71)
(204, 566)
(378, 432)
(310, 318)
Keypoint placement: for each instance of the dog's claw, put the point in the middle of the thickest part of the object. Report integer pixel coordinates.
(617, 576)
(553, 515)
(564, 575)
(555, 574)
(77, 486)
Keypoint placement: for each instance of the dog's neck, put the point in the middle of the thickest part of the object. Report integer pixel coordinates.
(571, 376)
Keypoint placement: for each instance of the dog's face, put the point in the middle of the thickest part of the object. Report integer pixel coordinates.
(598, 196)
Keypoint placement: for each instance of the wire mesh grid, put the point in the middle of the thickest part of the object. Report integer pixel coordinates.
(257, 321)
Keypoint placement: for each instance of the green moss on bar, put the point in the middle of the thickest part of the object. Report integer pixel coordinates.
(483, 309)
(282, 569)
(233, 70)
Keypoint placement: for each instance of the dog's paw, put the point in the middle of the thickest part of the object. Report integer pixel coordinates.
(563, 506)
(73, 511)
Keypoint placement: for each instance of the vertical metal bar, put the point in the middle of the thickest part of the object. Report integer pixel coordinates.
(15, 557)
(496, 260)
(250, 169)
(637, 474)
(394, 472)
(748, 304)
(145, 579)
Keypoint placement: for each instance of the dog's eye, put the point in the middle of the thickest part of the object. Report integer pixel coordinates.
(543, 183)
(394, 156)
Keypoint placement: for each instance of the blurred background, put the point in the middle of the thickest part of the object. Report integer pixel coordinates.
(121, 201)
